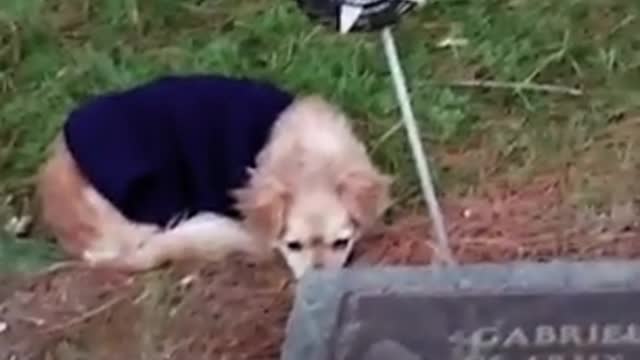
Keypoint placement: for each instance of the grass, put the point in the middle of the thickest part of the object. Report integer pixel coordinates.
(55, 53)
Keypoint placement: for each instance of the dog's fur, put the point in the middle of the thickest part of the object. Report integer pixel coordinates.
(312, 195)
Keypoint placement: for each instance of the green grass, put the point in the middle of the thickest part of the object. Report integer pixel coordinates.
(54, 53)
(24, 255)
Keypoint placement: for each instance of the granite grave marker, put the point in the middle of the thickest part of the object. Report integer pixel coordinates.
(524, 311)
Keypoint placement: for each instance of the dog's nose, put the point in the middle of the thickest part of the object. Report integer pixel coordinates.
(317, 265)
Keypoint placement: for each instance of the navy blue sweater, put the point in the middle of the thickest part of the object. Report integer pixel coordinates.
(174, 145)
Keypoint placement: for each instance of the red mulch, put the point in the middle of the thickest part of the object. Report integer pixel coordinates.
(237, 309)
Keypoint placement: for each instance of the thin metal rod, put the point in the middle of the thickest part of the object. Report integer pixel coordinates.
(415, 143)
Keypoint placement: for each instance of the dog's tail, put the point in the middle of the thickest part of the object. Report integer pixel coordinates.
(114, 235)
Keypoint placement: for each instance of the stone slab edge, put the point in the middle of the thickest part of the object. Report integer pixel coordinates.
(320, 293)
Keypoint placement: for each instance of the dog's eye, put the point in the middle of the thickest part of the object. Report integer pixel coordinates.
(340, 244)
(294, 245)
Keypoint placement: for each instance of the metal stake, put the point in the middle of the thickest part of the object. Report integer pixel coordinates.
(415, 143)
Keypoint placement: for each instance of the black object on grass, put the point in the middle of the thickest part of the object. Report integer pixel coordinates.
(357, 15)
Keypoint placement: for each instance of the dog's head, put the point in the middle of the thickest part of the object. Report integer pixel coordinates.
(316, 226)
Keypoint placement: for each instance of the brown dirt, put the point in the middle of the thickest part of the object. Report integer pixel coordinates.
(237, 309)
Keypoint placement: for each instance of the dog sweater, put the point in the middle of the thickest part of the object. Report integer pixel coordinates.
(175, 145)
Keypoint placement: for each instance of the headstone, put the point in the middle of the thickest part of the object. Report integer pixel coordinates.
(520, 311)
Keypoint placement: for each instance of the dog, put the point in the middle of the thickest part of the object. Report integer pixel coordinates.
(200, 166)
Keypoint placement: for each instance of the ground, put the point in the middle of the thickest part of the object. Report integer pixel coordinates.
(529, 111)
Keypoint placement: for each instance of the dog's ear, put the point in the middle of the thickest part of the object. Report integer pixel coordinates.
(366, 193)
(263, 205)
